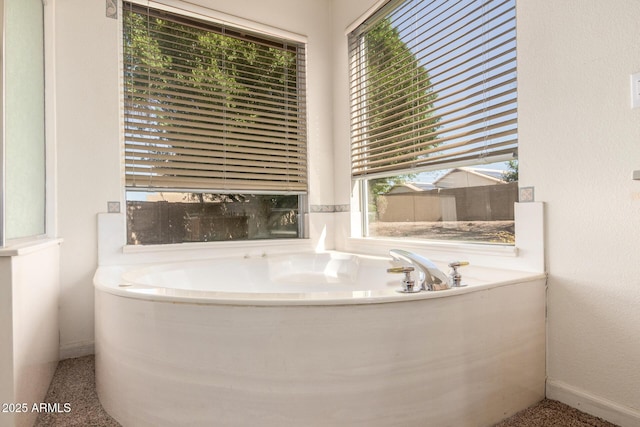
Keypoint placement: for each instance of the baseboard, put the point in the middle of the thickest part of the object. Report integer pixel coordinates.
(76, 349)
(591, 404)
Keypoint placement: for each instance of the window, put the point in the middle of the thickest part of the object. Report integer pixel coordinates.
(23, 147)
(171, 217)
(214, 128)
(434, 119)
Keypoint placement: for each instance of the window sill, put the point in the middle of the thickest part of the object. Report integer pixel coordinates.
(30, 246)
(504, 257)
(293, 244)
(526, 255)
(437, 247)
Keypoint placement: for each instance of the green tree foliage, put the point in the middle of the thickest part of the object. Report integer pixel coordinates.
(398, 90)
(399, 98)
(511, 175)
(206, 66)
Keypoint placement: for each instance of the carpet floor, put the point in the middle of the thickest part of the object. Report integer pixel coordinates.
(74, 383)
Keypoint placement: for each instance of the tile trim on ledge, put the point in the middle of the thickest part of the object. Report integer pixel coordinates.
(328, 208)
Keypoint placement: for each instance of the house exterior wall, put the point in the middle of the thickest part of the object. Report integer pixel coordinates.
(478, 203)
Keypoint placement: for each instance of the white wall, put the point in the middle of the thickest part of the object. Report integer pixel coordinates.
(579, 144)
(86, 47)
(89, 157)
(345, 13)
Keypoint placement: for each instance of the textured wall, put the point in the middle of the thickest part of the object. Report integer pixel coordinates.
(88, 162)
(579, 144)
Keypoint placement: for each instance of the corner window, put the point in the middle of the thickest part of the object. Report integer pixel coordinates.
(214, 129)
(434, 120)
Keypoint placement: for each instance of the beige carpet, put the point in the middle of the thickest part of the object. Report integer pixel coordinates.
(551, 413)
(74, 383)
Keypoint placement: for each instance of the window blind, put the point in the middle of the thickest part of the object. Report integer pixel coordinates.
(433, 84)
(211, 108)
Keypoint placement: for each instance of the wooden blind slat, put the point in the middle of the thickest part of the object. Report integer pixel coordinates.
(210, 107)
(433, 83)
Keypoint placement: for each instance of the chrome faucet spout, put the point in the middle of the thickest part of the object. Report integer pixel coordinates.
(433, 279)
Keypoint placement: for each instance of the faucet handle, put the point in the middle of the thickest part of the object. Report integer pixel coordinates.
(407, 283)
(456, 264)
(455, 278)
(400, 270)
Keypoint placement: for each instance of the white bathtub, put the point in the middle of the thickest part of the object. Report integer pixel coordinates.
(314, 340)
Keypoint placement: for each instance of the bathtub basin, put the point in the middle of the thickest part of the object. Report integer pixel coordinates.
(314, 340)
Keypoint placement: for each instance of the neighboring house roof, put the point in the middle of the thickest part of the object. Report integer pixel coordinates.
(455, 178)
(165, 197)
(469, 177)
(493, 173)
(411, 187)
